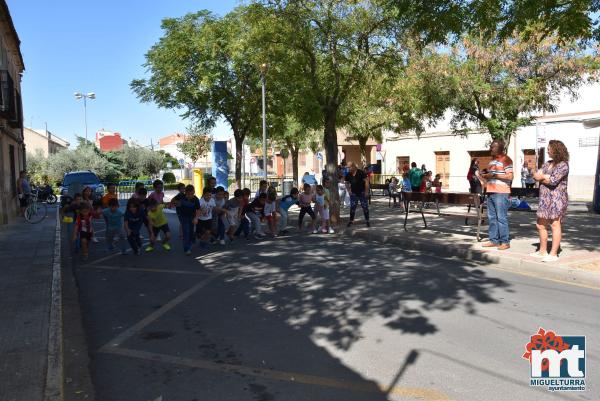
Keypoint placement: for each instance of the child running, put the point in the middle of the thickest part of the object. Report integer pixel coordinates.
(110, 194)
(114, 225)
(134, 220)
(283, 206)
(270, 212)
(189, 212)
(304, 201)
(83, 229)
(158, 195)
(157, 223)
(176, 199)
(255, 212)
(322, 208)
(207, 204)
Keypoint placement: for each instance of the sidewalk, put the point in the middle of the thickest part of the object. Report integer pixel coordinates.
(448, 236)
(26, 274)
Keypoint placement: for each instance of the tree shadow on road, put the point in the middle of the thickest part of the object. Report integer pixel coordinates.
(331, 294)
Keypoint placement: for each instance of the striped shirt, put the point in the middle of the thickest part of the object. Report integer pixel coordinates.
(499, 167)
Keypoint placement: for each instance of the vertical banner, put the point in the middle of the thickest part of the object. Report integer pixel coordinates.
(220, 165)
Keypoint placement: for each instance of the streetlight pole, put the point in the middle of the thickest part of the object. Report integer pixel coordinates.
(85, 96)
(263, 72)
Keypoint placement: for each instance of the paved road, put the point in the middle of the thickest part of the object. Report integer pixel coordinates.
(320, 318)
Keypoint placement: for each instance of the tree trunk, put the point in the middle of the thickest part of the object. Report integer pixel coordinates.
(362, 144)
(294, 153)
(331, 151)
(239, 150)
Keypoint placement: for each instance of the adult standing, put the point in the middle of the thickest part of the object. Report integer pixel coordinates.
(498, 176)
(23, 191)
(358, 186)
(415, 175)
(553, 178)
(473, 177)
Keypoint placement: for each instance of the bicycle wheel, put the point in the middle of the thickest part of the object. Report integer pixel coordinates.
(36, 212)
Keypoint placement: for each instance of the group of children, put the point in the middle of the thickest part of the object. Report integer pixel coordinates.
(212, 218)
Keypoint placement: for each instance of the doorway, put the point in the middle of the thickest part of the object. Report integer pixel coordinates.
(442, 167)
(402, 161)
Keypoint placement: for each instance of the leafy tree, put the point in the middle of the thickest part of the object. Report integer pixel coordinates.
(294, 137)
(329, 46)
(497, 85)
(36, 166)
(168, 158)
(168, 178)
(202, 65)
(152, 162)
(195, 145)
(84, 158)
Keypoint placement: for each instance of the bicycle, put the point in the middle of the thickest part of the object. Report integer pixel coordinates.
(36, 211)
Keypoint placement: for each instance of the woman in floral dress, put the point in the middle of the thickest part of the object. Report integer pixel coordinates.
(553, 178)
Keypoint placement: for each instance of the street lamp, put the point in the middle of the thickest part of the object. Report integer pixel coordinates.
(85, 96)
(263, 72)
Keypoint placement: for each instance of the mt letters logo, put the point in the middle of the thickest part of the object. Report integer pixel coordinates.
(557, 362)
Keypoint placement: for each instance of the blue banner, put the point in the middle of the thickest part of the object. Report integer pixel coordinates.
(220, 165)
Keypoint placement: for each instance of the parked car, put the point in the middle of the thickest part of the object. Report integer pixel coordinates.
(75, 181)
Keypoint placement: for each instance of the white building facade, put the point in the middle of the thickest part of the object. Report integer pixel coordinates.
(576, 124)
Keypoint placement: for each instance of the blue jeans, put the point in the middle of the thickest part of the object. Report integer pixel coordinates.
(497, 207)
(187, 229)
(354, 199)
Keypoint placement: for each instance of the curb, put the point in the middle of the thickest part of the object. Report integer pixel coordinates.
(54, 390)
(551, 272)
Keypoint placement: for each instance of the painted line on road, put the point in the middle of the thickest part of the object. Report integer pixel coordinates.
(145, 269)
(424, 394)
(124, 336)
(54, 389)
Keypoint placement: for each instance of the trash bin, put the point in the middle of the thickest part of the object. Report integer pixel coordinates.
(287, 187)
(198, 180)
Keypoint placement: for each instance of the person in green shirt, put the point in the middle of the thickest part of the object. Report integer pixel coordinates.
(157, 222)
(415, 174)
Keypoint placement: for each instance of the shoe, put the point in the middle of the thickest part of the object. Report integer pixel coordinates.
(503, 247)
(550, 258)
(95, 240)
(331, 230)
(315, 231)
(489, 245)
(259, 236)
(137, 252)
(222, 242)
(349, 224)
(324, 230)
(537, 254)
(368, 224)
(167, 247)
(188, 253)
(149, 248)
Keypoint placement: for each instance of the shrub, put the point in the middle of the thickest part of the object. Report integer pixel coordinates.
(168, 178)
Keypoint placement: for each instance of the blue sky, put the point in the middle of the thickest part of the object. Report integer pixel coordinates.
(96, 46)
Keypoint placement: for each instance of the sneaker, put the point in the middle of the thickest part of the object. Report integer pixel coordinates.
(550, 258)
(315, 231)
(167, 247)
(331, 230)
(537, 254)
(95, 240)
(349, 224)
(368, 224)
(222, 242)
(149, 248)
(324, 230)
